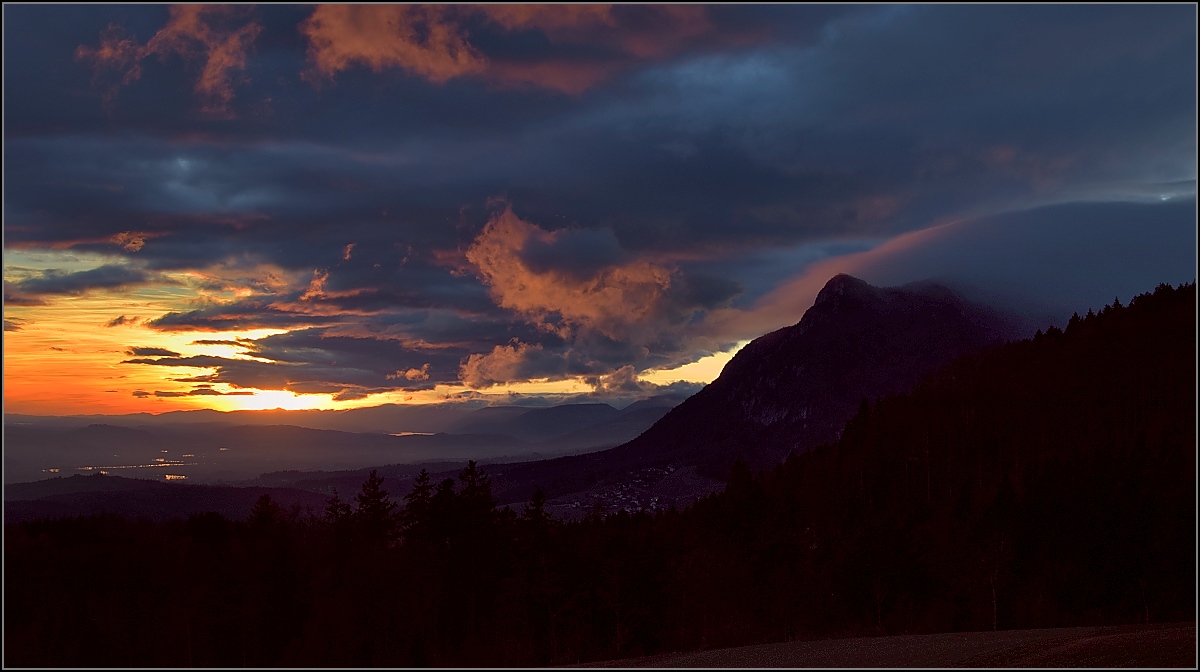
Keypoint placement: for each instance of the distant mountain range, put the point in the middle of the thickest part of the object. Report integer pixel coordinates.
(787, 391)
(459, 417)
(224, 451)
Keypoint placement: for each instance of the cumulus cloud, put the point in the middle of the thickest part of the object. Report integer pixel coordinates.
(208, 32)
(624, 383)
(514, 361)
(411, 374)
(564, 280)
(623, 380)
(422, 39)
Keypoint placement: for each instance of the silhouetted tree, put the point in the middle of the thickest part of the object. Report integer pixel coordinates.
(535, 511)
(336, 510)
(417, 504)
(265, 515)
(375, 511)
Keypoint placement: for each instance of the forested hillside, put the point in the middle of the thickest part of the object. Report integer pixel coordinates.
(1047, 482)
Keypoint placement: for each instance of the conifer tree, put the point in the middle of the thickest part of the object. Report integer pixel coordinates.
(337, 510)
(535, 510)
(476, 493)
(375, 510)
(417, 504)
(265, 513)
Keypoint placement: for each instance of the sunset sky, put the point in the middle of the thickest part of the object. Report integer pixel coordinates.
(243, 207)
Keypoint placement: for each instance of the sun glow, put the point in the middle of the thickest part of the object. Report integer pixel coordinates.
(704, 370)
(66, 355)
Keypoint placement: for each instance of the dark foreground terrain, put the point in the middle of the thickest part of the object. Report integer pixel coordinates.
(1162, 645)
(1044, 483)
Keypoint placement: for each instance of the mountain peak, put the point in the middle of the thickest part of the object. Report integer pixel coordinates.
(796, 388)
(843, 286)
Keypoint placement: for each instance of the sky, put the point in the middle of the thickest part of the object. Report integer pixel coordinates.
(244, 207)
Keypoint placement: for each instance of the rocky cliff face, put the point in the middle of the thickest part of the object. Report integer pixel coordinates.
(795, 388)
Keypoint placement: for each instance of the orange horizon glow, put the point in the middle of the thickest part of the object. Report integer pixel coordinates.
(63, 360)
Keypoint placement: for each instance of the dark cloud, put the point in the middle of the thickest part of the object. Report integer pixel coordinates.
(200, 392)
(247, 315)
(667, 164)
(314, 361)
(11, 298)
(109, 276)
(1041, 264)
(121, 320)
(13, 324)
(150, 352)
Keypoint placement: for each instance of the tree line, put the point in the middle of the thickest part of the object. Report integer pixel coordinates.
(1047, 482)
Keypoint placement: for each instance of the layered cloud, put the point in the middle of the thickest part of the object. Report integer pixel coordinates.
(314, 361)
(75, 283)
(708, 165)
(589, 42)
(1041, 264)
(198, 391)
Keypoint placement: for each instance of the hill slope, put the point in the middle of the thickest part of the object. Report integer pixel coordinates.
(784, 392)
(794, 388)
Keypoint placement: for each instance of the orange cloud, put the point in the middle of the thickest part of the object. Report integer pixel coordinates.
(316, 288)
(192, 31)
(117, 54)
(611, 299)
(422, 39)
(432, 40)
(129, 240)
(411, 374)
(501, 365)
